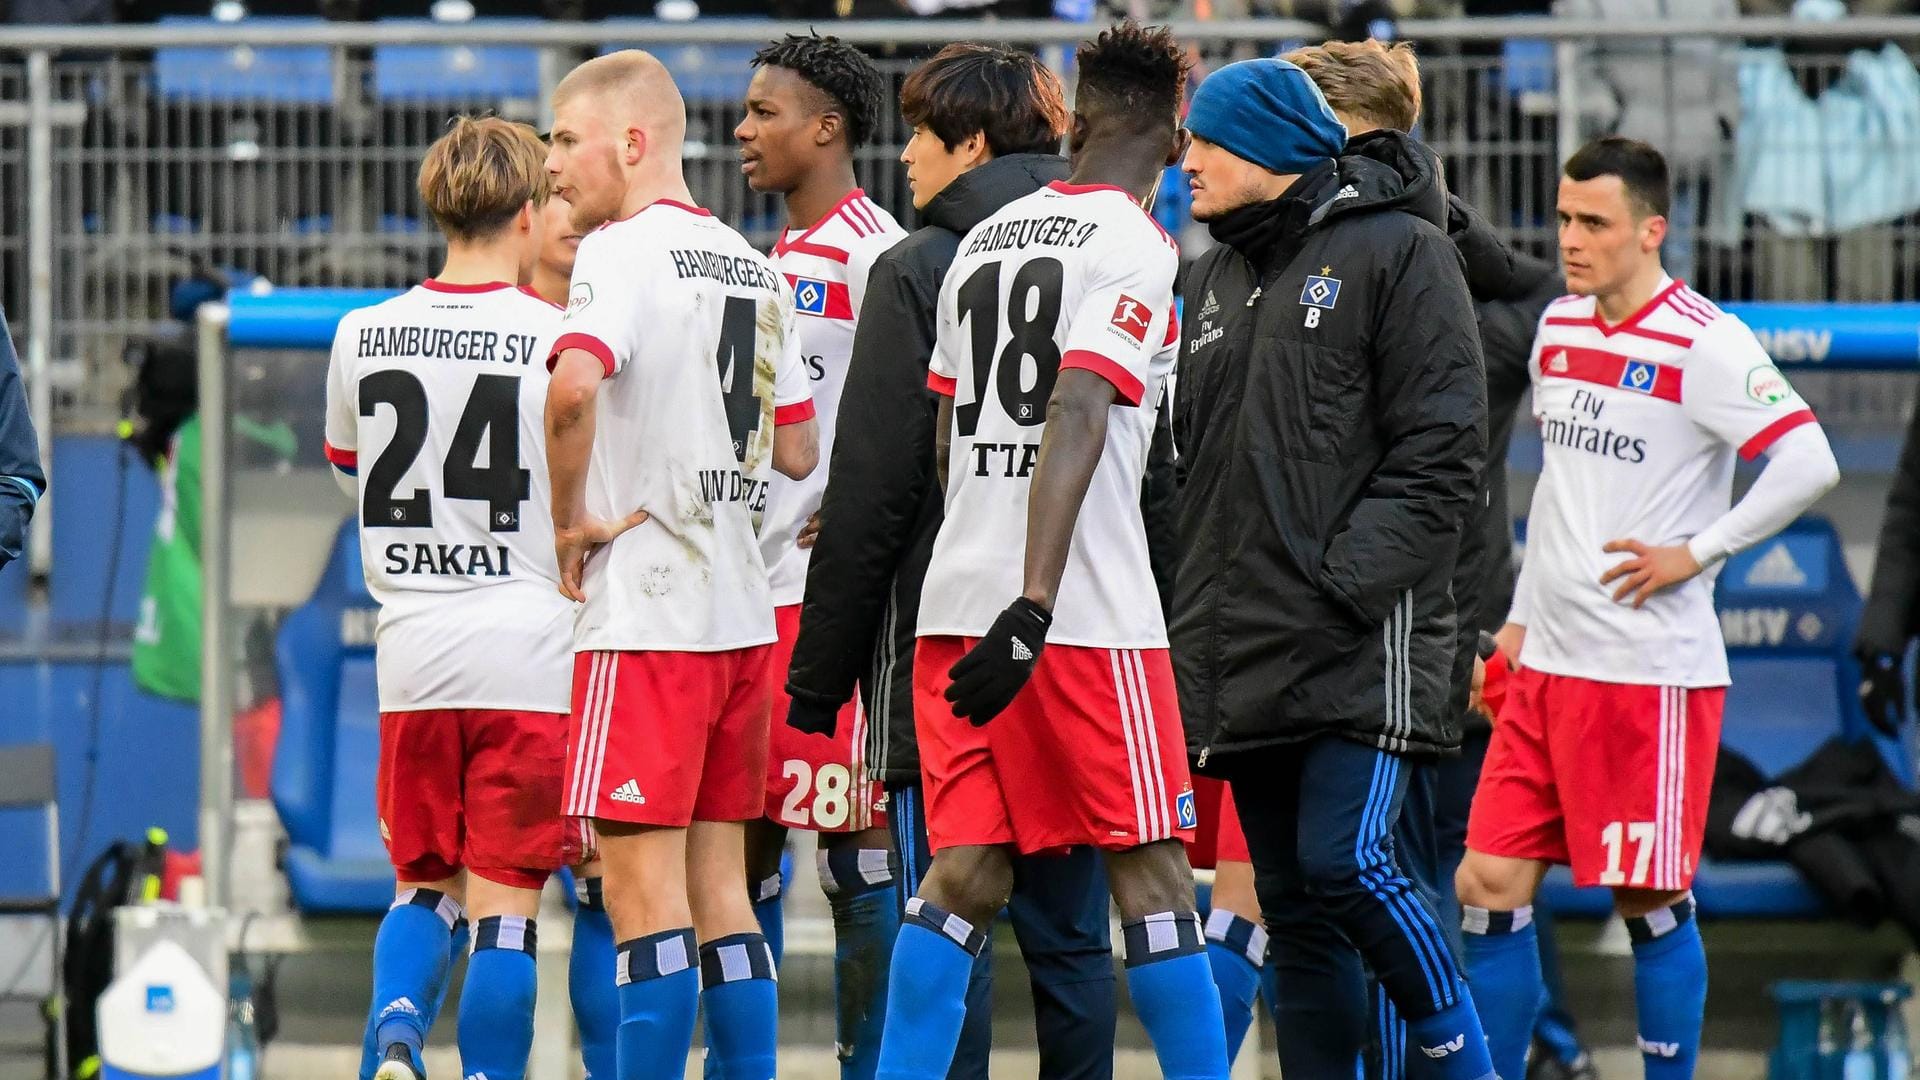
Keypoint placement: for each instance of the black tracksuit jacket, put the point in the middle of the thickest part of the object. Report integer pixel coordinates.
(1331, 420)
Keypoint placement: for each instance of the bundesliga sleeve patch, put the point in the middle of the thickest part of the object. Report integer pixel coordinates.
(1132, 318)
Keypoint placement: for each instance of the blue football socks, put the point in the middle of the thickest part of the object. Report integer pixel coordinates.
(859, 887)
(1173, 992)
(769, 914)
(1237, 950)
(596, 1005)
(659, 989)
(411, 956)
(1669, 989)
(742, 1006)
(496, 1000)
(1452, 1043)
(1503, 968)
(927, 992)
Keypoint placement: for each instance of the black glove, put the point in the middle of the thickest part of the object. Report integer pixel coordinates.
(993, 671)
(812, 713)
(1883, 690)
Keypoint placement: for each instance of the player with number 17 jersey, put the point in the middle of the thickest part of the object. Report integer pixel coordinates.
(1072, 276)
(695, 332)
(433, 406)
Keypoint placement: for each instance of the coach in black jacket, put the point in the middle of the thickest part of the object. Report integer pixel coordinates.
(1892, 615)
(1331, 420)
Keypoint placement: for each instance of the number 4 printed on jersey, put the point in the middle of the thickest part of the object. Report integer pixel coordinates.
(1640, 834)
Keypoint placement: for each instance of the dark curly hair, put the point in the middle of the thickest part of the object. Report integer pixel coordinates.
(1133, 70)
(850, 81)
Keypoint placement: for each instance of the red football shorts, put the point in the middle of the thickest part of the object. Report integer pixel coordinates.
(1218, 837)
(1609, 778)
(818, 782)
(669, 738)
(477, 789)
(1089, 752)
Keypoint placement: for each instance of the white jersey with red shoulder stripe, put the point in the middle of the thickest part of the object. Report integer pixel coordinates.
(1071, 276)
(826, 265)
(695, 331)
(1640, 424)
(434, 404)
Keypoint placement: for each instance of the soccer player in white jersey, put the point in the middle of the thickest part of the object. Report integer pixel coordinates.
(440, 390)
(677, 390)
(1056, 336)
(1603, 755)
(813, 101)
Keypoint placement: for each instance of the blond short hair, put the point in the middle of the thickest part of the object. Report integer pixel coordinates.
(479, 174)
(1371, 82)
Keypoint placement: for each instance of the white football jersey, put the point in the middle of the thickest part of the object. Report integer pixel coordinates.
(826, 266)
(435, 400)
(696, 332)
(1640, 423)
(1071, 276)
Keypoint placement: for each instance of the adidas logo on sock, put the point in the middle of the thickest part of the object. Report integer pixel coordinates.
(628, 792)
(1020, 650)
(1451, 1046)
(477, 1076)
(400, 1005)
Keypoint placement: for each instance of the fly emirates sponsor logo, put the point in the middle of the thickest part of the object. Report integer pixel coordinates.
(1580, 427)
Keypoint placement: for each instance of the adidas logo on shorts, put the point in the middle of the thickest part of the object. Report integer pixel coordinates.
(1020, 650)
(628, 792)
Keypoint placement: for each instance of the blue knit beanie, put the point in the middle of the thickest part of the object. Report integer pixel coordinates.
(1268, 112)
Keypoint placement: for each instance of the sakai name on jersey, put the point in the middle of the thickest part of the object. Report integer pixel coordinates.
(458, 560)
(440, 343)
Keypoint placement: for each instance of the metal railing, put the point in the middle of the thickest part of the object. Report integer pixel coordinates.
(137, 157)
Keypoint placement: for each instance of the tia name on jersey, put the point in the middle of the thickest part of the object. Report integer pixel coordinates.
(439, 343)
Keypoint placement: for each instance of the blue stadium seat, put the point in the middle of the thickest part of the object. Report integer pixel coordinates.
(279, 74)
(1788, 609)
(1526, 67)
(323, 771)
(430, 73)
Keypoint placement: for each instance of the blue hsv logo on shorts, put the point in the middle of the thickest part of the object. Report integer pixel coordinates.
(1639, 377)
(1183, 810)
(809, 296)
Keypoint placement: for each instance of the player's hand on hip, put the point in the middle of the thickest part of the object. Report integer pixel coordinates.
(810, 532)
(574, 544)
(986, 680)
(1650, 570)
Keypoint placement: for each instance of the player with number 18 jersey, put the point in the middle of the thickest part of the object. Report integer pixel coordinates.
(672, 681)
(1091, 750)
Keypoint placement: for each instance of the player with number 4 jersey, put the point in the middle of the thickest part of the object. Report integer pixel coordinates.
(433, 422)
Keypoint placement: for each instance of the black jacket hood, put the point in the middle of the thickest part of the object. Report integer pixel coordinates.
(974, 196)
(1389, 170)
(1381, 170)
